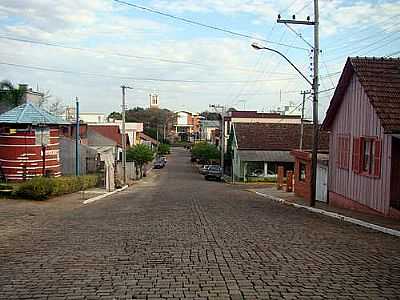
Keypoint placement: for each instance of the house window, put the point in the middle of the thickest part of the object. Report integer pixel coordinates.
(367, 156)
(302, 171)
(343, 151)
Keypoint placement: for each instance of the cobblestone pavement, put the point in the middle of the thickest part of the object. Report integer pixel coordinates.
(180, 237)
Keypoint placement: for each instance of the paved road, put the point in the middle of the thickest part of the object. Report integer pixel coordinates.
(178, 236)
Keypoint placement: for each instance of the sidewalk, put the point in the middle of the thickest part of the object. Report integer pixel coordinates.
(275, 194)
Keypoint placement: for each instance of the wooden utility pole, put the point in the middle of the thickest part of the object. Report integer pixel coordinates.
(315, 85)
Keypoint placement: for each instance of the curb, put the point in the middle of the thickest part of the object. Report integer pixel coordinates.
(334, 215)
(87, 201)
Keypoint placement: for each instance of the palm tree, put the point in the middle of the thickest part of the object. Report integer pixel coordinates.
(10, 96)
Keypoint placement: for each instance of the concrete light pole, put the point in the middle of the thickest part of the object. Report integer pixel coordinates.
(123, 132)
(77, 141)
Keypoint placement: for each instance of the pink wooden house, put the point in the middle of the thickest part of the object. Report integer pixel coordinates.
(364, 144)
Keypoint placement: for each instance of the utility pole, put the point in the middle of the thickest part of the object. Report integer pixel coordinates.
(222, 141)
(304, 93)
(315, 23)
(123, 133)
(77, 141)
(314, 156)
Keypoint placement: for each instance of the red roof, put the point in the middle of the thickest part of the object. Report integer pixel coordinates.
(276, 136)
(255, 114)
(109, 131)
(380, 78)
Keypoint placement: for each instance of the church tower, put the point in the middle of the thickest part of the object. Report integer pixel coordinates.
(154, 101)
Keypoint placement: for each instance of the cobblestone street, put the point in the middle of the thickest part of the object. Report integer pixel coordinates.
(177, 236)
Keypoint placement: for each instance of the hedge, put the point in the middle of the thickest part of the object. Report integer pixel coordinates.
(42, 188)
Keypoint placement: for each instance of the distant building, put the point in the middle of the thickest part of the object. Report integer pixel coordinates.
(154, 101)
(259, 148)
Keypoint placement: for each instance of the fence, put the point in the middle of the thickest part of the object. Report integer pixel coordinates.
(130, 171)
(88, 158)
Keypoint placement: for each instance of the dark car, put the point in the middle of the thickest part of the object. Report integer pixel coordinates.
(214, 172)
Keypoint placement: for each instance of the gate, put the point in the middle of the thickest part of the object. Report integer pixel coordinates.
(322, 183)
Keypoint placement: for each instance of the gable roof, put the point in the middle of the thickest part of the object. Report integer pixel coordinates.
(380, 78)
(111, 132)
(28, 113)
(276, 136)
(148, 138)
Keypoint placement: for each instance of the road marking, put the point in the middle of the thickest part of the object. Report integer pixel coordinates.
(104, 195)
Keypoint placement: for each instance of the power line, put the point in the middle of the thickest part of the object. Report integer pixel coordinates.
(392, 54)
(164, 60)
(242, 35)
(134, 78)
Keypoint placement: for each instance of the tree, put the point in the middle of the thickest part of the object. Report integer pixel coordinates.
(140, 154)
(212, 116)
(164, 149)
(115, 115)
(205, 152)
(11, 96)
(56, 108)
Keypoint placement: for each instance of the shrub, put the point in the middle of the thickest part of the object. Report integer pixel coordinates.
(41, 188)
(38, 188)
(164, 149)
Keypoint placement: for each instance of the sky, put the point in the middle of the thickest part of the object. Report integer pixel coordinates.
(88, 49)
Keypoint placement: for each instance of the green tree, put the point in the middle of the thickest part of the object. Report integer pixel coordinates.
(164, 149)
(140, 154)
(115, 115)
(10, 96)
(205, 152)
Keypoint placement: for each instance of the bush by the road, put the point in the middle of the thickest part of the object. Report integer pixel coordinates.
(42, 188)
(164, 149)
(205, 152)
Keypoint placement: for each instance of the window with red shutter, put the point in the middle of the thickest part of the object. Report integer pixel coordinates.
(356, 157)
(343, 152)
(377, 158)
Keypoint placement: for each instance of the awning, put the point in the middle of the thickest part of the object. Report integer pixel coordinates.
(270, 156)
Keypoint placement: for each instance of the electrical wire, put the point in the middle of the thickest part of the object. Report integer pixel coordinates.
(185, 20)
(134, 78)
(124, 55)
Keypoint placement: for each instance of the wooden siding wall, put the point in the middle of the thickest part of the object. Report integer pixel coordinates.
(357, 117)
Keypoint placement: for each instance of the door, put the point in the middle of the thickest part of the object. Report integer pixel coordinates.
(395, 176)
(322, 183)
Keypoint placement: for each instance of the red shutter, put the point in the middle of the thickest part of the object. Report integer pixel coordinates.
(377, 158)
(347, 152)
(356, 161)
(338, 151)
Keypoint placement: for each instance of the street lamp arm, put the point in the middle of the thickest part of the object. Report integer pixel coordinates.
(257, 47)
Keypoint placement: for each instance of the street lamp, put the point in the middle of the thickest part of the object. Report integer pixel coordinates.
(314, 86)
(258, 47)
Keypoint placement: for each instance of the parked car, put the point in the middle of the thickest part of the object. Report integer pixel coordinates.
(203, 170)
(159, 164)
(214, 172)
